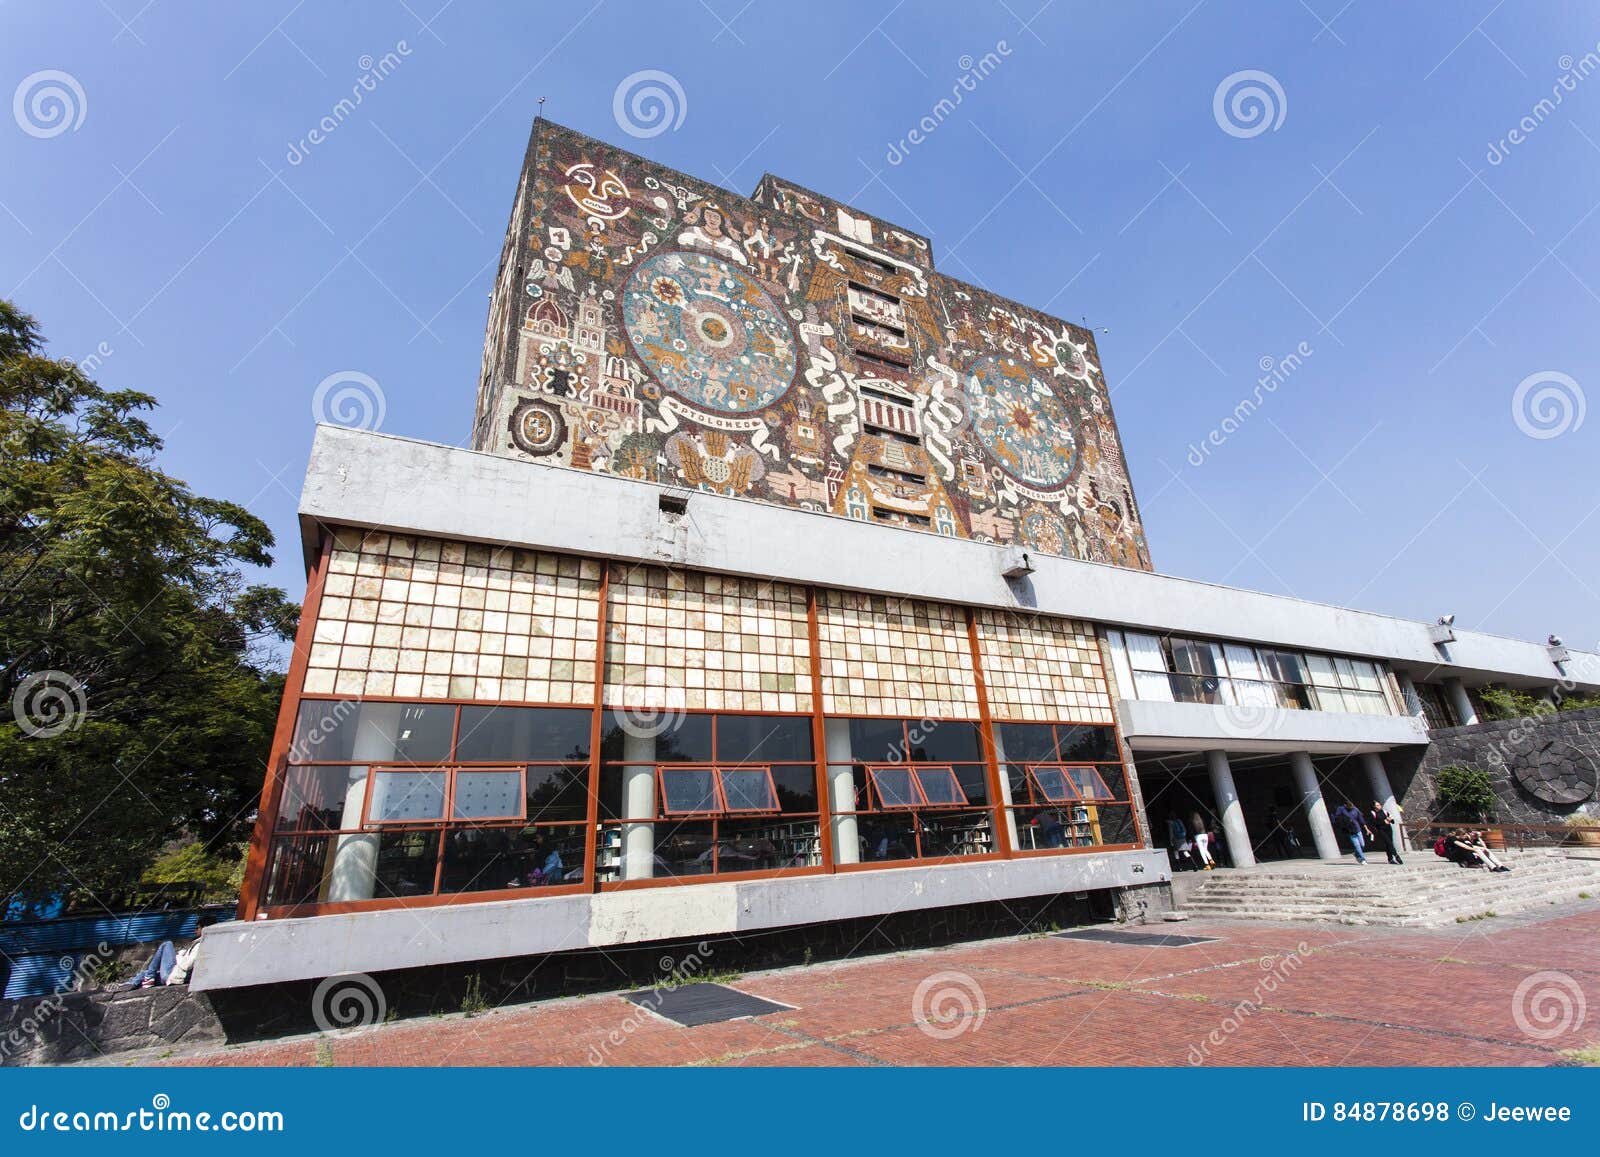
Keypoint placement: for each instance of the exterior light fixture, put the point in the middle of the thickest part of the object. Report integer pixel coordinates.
(1015, 563)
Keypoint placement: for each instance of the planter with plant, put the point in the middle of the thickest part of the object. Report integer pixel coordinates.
(1579, 821)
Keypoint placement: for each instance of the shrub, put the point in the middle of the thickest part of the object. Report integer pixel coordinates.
(1467, 790)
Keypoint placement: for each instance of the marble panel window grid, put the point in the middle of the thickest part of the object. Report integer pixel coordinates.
(894, 657)
(423, 618)
(1041, 669)
(689, 641)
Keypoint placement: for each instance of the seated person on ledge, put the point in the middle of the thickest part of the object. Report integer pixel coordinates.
(170, 966)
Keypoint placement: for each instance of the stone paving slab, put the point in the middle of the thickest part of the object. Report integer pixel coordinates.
(1338, 997)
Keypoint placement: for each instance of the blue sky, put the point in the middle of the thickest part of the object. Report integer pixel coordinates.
(163, 229)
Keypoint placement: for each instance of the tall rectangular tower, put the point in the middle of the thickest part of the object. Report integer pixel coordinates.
(788, 348)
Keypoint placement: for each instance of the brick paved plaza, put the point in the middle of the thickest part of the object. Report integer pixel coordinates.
(1352, 996)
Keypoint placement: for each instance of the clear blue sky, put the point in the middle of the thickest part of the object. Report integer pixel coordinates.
(1087, 174)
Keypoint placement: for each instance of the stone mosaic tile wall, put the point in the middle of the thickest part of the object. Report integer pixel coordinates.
(894, 658)
(704, 642)
(419, 618)
(1042, 669)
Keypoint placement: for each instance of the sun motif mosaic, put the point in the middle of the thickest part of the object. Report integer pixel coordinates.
(421, 618)
(1022, 423)
(708, 332)
(787, 348)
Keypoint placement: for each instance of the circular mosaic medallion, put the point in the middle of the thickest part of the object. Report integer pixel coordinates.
(1567, 777)
(1045, 532)
(708, 332)
(1023, 425)
(1072, 359)
(537, 428)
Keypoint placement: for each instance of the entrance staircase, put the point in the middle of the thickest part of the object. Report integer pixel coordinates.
(1426, 890)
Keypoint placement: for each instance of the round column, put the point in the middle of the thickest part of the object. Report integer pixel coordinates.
(842, 781)
(1228, 807)
(639, 803)
(1316, 808)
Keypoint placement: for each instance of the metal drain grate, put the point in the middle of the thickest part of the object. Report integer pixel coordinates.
(1135, 939)
(703, 1003)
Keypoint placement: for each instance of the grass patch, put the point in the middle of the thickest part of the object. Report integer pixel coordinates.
(472, 1000)
(1588, 1056)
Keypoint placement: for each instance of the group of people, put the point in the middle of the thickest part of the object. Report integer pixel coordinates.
(1469, 849)
(1375, 826)
(1194, 848)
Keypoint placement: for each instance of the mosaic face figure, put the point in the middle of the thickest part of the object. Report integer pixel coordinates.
(709, 333)
(1023, 425)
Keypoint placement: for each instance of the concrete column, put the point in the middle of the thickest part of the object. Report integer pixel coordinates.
(1410, 701)
(842, 784)
(1460, 702)
(1005, 788)
(1315, 807)
(353, 873)
(1229, 809)
(639, 803)
(1378, 777)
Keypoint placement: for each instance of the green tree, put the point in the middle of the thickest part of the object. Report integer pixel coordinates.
(137, 690)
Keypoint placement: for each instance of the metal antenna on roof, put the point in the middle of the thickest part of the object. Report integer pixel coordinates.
(541, 107)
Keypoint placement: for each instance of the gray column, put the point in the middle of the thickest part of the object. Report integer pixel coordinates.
(842, 791)
(1228, 808)
(1378, 777)
(639, 803)
(1459, 700)
(1315, 807)
(1005, 788)
(353, 870)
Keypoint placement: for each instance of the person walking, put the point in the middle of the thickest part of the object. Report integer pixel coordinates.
(1348, 822)
(1178, 843)
(1387, 829)
(1202, 842)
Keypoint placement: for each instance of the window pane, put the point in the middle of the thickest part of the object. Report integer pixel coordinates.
(1242, 662)
(1026, 742)
(873, 740)
(329, 731)
(1323, 673)
(747, 789)
(894, 786)
(797, 788)
(945, 741)
(1052, 784)
(1089, 743)
(1153, 686)
(315, 798)
(406, 796)
(1193, 657)
(689, 789)
(487, 795)
(974, 781)
(519, 733)
(1088, 783)
(763, 738)
(684, 739)
(488, 859)
(1144, 653)
(939, 785)
(1367, 677)
(1284, 666)
(558, 792)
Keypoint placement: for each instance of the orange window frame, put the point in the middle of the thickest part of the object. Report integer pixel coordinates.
(719, 794)
(447, 812)
(1069, 786)
(914, 775)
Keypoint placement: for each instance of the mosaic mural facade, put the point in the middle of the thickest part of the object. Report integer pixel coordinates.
(785, 348)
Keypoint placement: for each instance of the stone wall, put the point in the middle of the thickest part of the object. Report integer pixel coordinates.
(78, 1026)
(1543, 768)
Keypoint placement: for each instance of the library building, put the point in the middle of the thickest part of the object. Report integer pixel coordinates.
(787, 581)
